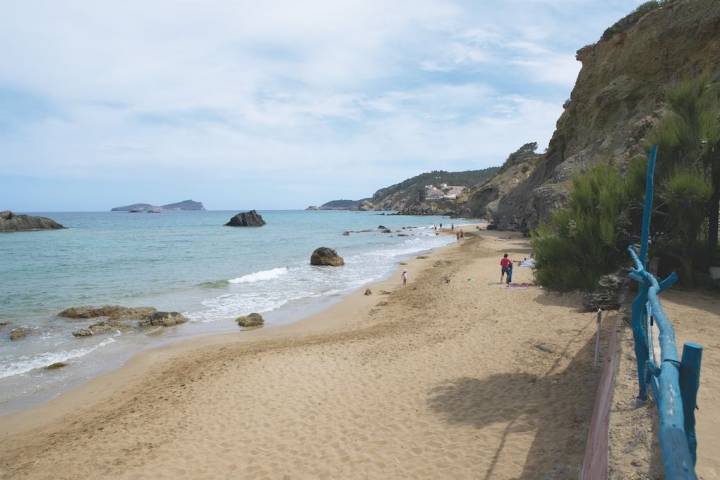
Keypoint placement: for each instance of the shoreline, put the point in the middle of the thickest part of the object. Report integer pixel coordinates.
(38, 387)
(451, 376)
(319, 320)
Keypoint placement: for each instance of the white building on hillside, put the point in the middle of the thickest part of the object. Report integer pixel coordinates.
(442, 191)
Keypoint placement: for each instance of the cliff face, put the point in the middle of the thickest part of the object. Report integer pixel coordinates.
(410, 196)
(482, 200)
(616, 100)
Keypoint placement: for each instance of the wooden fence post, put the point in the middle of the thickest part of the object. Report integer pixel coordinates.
(689, 384)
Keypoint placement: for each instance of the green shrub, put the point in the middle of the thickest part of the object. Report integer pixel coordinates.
(584, 240)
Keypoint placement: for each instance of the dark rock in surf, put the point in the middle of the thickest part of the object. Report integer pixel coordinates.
(324, 256)
(10, 222)
(163, 319)
(56, 365)
(246, 219)
(112, 312)
(19, 333)
(251, 320)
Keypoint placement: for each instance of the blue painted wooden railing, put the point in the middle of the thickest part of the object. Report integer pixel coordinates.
(674, 383)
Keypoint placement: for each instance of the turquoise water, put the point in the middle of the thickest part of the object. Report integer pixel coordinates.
(180, 261)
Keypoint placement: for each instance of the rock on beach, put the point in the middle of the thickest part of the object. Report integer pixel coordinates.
(251, 320)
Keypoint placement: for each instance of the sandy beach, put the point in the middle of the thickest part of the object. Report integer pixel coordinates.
(453, 376)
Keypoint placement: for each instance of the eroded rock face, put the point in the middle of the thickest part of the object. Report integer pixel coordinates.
(251, 320)
(324, 256)
(10, 222)
(618, 97)
(246, 219)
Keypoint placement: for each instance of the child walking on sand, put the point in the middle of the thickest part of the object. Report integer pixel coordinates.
(404, 277)
(505, 268)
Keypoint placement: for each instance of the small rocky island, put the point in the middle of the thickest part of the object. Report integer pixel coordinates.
(185, 205)
(246, 219)
(11, 222)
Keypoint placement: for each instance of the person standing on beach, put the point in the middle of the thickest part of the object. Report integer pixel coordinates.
(404, 277)
(505, 263)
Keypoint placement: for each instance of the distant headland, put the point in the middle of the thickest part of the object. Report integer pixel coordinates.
(147, 208)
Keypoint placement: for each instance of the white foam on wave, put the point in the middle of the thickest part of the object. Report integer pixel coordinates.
(261, 276)
(25, 364)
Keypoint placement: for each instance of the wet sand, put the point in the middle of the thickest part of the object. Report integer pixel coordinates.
(453, 376)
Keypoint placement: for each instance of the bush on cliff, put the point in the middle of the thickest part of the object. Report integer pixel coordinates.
(586, 239)
(589, 236)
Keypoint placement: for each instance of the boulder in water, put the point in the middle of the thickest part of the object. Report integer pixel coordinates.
(163, 319)
(56, 365)
(325, 256)
(251, 320)
(19, 333)
(112, 312)
(10, 222)
(246, 219)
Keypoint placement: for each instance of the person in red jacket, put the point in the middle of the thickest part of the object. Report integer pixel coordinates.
(505, 266)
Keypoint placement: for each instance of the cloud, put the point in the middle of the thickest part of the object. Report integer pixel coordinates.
(196, 93)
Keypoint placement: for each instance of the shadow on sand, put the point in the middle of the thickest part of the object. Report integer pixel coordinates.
(555, 406)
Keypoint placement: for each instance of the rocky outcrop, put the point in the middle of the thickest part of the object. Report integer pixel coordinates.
(616, 100)
(246, 219)
(103, 326)
(408, 197)
(56, 365)
(163, 319)
(251, 320)
(11, 222)
(324, 256)
(19, 333)
(343, 204)
(185, 205)
(116, 317)
(482, 200)
(112, 312)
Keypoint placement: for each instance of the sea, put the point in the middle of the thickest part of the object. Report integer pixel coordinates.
(184, 261)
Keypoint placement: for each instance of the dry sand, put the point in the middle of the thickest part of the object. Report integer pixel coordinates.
(452, 376)
(634, 446)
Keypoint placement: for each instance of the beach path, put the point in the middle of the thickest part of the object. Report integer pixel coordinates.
(453, 376)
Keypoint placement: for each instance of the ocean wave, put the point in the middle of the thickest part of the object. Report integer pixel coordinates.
(261, 276)
(25, 364)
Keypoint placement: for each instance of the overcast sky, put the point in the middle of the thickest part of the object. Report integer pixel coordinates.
(275, 104)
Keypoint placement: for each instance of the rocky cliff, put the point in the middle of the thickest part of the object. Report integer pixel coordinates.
(482, 200)
(409, 197)
(616, 100)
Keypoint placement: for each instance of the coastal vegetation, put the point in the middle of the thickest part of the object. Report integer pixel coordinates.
(587, 238)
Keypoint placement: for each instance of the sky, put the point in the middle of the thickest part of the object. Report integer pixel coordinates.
(276, 104)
